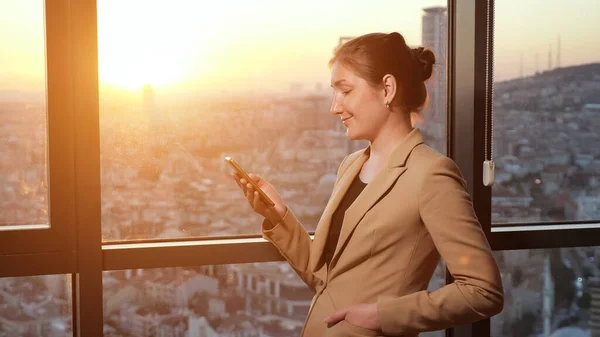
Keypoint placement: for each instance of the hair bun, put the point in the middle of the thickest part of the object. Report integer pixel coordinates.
(426, 60)
(397, 38)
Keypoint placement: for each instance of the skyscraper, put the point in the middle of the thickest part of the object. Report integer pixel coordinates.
(434, 37)
(594, 320)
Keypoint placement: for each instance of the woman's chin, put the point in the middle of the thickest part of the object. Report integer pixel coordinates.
(353, 136)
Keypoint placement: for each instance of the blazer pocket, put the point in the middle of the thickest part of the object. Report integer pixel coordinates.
(357, 331)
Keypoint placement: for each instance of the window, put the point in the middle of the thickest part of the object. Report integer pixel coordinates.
(162, 134)
(249, 81)
(255, 298)
(36, 306)
(36, 129)
(23, 118)
(546, 113)
(549, 292)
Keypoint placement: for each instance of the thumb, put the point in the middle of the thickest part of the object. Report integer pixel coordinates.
(337, 316)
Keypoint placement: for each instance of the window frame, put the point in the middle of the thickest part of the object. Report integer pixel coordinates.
(535, 235)
(57, 237)
(572, 233)
(472, 39)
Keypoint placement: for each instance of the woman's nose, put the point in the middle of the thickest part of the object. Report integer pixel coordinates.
(336, 107)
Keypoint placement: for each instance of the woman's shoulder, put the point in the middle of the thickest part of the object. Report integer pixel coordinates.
(426, 159)
(425, 155)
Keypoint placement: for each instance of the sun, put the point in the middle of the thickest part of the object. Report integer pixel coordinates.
(138, 44)
(132, 69)
(133, 57)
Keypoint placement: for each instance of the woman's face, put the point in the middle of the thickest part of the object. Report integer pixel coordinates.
(360, 106)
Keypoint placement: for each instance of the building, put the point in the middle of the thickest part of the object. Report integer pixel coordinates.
(273, 290)
(434, 37)
(594, 288)
(178, 288)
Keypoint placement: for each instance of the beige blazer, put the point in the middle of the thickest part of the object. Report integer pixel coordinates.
(391, 240)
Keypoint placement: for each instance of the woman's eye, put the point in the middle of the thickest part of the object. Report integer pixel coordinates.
(346, 92)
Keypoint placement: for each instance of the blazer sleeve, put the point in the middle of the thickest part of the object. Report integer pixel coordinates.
(476, 293)
(293, 241)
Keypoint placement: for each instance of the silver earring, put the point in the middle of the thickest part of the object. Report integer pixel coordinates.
(387, 105)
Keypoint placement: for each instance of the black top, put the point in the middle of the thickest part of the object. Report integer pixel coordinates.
(338, 217)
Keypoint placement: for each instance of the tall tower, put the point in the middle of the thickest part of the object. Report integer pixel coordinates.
(435, 37)
(550, 57)
(547, 296)
(594, 320)
(558, 52)
(521, 66)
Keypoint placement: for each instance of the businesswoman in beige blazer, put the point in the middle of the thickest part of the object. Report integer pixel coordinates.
(395, 208)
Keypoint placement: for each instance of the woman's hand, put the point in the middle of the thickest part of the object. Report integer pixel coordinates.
(362, 315)
(272, 213)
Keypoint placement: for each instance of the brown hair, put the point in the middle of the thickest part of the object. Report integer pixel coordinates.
(374, 55)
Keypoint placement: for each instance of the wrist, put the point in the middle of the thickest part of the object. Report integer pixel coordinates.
(282, 212)
(279, 214)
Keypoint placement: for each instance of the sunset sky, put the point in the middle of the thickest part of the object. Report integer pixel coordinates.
(267, 44)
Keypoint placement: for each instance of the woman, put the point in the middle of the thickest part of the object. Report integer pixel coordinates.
(394, 206)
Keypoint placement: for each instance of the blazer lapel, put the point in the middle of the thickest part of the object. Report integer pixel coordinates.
(322, 231)
(375, 190)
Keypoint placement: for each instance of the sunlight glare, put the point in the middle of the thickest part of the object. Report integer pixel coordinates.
(149, 42)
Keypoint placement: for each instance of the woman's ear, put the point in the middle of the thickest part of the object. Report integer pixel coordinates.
(390, 88)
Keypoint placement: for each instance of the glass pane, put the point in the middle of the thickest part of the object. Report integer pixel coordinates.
(549, 292)
(244, 79)
(36, 306)
(23, 120)
(546, 112)
(260, 299)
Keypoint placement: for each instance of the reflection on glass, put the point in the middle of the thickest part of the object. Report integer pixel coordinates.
(259, 299)
(179, 96)
(546, 112)
(549, 292)
(23, 178)
(36, 306)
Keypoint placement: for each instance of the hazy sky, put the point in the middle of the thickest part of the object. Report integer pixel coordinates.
(262, 44)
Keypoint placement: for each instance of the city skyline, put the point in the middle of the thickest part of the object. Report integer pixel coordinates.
(229, 47)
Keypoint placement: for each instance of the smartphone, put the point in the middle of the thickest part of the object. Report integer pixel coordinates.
(244, 175)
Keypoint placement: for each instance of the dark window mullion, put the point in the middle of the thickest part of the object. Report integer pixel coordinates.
(469, 43)
(88, 302)
(74, 305)
(450, 74)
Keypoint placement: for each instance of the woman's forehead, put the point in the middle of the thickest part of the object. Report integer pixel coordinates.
(341, 75)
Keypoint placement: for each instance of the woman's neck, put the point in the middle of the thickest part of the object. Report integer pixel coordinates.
(388, 139)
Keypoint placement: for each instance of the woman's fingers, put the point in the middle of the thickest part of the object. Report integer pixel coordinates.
(254, 177)
(243, 184)
(257, 202)
(250, 193)
(237, 180)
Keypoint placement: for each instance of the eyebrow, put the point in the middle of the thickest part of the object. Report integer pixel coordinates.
(339, 82)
